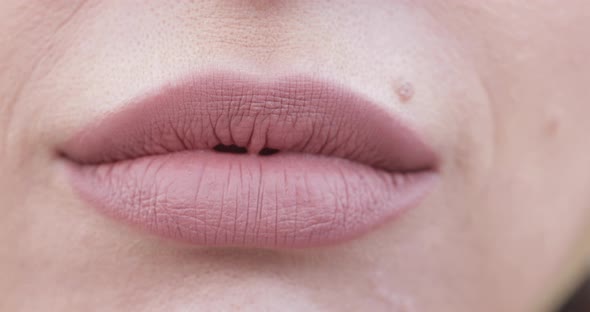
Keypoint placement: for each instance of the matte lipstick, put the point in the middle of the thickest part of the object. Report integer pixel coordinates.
(232, 160)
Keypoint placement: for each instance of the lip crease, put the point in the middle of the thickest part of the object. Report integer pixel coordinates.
(231, 160)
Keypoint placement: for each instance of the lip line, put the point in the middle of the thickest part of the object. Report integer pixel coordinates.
(433, 168)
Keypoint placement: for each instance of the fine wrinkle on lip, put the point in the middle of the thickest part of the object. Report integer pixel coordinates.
(235, 115)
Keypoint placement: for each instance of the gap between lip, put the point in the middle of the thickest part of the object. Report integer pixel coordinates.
(432, 168)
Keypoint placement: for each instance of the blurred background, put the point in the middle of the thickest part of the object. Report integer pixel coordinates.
(580, 301)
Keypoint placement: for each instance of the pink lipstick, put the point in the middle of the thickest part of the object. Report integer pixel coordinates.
(232, 160)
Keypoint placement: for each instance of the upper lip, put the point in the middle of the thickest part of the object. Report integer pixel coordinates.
(248, 115)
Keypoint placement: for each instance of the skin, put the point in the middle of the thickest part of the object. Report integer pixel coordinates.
(500, 89)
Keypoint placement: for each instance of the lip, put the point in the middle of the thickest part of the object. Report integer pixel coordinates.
(232, 160)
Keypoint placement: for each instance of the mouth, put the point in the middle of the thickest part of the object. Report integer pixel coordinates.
(231, 160)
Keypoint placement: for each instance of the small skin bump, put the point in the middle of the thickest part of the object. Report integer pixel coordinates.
(405, 91)
(551, 128)
(552, 125)
(553, 120)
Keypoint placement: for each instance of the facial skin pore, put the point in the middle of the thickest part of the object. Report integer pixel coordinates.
(498, 88)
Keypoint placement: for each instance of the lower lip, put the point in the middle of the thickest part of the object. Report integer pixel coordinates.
(280, 201)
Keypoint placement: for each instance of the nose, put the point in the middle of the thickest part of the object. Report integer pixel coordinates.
(261, 27)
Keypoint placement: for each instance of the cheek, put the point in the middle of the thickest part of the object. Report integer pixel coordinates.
(531, 200)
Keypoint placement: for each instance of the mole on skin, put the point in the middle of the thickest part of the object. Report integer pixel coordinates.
(405, 92)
